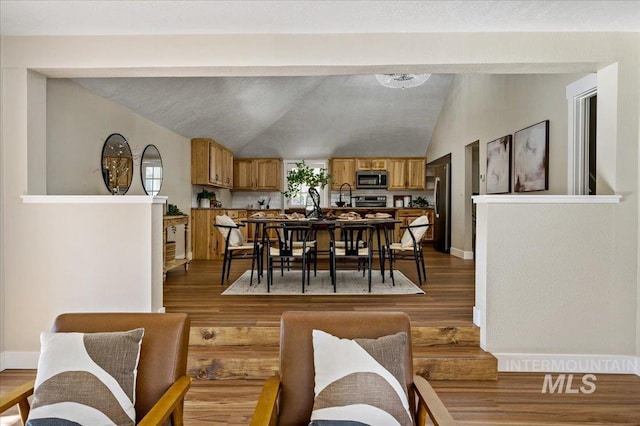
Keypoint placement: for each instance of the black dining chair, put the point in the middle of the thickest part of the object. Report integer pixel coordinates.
(410, 247)
(288, 246)
(351, 242)
(236, 247)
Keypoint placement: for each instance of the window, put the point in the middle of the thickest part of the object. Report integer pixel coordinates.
(152, 178)
(303, 199)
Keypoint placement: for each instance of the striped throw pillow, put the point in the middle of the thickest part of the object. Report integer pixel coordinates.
(86, 379)
(360, 381)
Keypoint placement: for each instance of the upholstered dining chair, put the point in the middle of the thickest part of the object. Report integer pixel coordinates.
(410, 247)
(161, 383)
(236, 247)
(290, 399)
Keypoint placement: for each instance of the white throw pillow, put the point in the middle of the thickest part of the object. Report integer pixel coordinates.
(236, 238)
(407, 241)
(86, 378)
(360, 381)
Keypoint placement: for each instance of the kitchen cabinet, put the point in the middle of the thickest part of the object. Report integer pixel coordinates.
(257, 174)
(364, 164)
(206, 241)
(406, 173)
(343, 170)
(211, 163)
(406, 216)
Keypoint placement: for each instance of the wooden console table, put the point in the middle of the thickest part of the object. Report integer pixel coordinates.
(169, 221)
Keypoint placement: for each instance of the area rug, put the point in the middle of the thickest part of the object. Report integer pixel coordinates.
(348, 282)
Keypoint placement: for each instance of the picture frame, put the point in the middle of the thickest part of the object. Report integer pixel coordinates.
(499, 165)
(531, 158)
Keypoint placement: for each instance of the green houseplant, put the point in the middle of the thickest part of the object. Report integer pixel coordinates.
(305, 175)
(205, 197)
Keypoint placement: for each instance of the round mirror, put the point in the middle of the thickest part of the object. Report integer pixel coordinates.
(151, 170)
(117, 164)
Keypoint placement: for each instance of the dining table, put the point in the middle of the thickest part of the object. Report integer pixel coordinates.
(384, 228)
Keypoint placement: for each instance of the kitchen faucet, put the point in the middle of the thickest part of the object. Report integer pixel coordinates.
(350, 194)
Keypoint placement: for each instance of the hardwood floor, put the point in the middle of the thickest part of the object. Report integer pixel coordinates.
(227, 325)
(448, 301)
(514, 399)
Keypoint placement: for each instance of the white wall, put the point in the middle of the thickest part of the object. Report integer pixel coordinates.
(486, 107)
(110, 264)
(78, 122)
(541, 295)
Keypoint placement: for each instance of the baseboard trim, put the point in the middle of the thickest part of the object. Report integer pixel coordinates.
(19, 360)
(465, 255)
(567, 363)
(477, 316)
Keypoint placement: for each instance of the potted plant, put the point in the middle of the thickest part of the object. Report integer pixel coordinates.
(305, 175)
(204, 198)
(261, 203)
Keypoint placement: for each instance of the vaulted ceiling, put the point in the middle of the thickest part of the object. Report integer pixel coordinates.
(289, 117)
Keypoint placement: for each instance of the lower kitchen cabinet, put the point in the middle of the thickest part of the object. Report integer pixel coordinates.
(406, 216)
(206, 240)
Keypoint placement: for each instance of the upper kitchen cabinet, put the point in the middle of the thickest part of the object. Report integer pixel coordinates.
(257, 174)
(364, 164)
(343, 170)
(406, 173)
(211, 163)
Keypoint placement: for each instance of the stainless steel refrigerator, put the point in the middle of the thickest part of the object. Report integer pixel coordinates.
(440, 171)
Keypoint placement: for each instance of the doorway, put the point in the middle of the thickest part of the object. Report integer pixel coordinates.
(472, 187)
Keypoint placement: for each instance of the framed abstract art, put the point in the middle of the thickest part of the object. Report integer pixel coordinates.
(499, 165)
(531, 158)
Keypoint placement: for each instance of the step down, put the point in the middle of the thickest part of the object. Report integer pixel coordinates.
(270, 336)
(260, 362)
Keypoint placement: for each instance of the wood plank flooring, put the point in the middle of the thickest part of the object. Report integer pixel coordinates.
(514, 399)
(448, 301)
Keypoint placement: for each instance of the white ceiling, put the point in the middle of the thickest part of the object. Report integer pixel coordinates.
(299, 117)
(261, 17)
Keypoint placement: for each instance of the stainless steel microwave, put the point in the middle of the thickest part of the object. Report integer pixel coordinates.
(371, 180)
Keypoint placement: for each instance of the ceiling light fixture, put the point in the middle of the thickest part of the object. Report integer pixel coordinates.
(402, 80)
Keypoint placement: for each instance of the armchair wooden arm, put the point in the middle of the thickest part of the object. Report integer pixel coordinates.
(170, 404)
(19, 396)
(429, 404)
(266, 412)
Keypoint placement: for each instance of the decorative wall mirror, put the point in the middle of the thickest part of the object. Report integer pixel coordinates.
(117, 164)
(151, 170)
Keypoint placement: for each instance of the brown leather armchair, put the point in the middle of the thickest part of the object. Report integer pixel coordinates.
(162, 382)
(287, 399)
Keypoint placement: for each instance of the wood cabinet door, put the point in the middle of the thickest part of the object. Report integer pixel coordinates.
(415, 173)
(200, 162)
(202, 232)
(268, 174)
(363, 164)
(397, 173)
(430, 214)
(378, 164)
(227, 168)
(215, 161)
(243, 174)
(343, 170)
